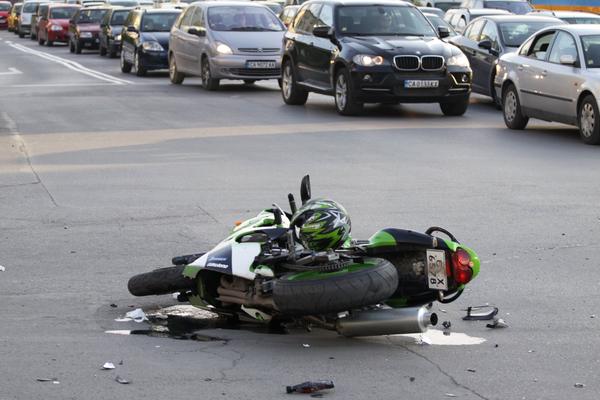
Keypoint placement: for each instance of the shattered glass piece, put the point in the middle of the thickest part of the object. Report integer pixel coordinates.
(108, 365)
(498, 323)
(2, 269)
(122, 380)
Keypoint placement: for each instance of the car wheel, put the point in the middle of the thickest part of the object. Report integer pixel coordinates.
(139, 69)
(345, 101)
(71, 46)
(495, 99)
(208, 82)
(78, 47)
(125, 66)
(32, 36)
(589, 121)
(102, 51)
(175, 76)
(291, 91)
(455, 108)
(21, 34)
(49, 43)
(41, 41)
(511, 109)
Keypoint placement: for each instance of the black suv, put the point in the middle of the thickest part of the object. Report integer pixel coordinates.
(364, 52)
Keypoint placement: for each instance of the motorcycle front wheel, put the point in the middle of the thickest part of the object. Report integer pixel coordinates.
(160, 281)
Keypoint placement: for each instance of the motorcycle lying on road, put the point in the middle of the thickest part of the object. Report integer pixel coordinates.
(263, 270)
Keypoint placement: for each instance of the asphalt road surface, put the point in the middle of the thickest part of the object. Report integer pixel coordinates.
(105, 175)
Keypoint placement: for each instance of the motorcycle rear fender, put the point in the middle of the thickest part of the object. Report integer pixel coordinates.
(392, 239)
(230, 258)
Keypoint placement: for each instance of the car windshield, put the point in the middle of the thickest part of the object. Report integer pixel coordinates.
(243, 18)
(119, 17)
(515, 33)
(4, 6)
(437, 22)
(158, 22)
(582, 20)
(446, 6)
(91, 16)
(377, 20)
(62, 12)
(591, 50)
(515, 7)
(29, 7)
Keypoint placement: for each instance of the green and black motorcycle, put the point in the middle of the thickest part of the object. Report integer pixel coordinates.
(304, 266)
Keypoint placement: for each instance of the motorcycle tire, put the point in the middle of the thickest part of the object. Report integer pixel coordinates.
(160, 281)
(358, 285)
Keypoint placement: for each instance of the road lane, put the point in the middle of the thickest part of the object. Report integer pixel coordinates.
(137, 173)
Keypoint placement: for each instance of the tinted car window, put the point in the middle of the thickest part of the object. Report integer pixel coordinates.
(243, 18)
(157, 22)
(125, 3)
(29, 7)
(197, 18)
(525, 49)
(587, 20)
(490, 33)
(446, 6)
(62, 13)
(591, 50)
(514, 33)
(308, 20)
(184, 21)
(382, 20)
(438, 21)
(563, 45)
(326, 15)
(91, 16)
(515, 7)
(4, 6)
(43, 10)
(475, 30)
(119, 17)
(540, 45)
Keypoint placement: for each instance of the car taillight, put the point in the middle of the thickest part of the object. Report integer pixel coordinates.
(462, 263)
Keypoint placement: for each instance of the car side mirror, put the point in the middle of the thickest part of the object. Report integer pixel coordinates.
(443, 32)
(323, 31)
(567, 59)
(131, 29)
(485, 44)
(200, 32)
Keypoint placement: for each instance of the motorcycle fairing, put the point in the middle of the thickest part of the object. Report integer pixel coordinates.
(230, 258)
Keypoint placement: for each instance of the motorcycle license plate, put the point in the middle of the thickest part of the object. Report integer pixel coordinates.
(436, 270)
(421, 84)
(260, 64)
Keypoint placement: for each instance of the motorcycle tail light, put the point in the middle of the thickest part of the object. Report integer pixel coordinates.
(462, 263)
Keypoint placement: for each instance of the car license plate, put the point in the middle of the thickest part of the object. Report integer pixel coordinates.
(421, 84)
(260, 64)
(436, 270)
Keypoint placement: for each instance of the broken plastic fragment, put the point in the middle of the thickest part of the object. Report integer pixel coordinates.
(306, 345)
(450, 395)
(136, 315)
(2, 269)
(447, 325)
(498, 323)
(122, 380)
(471, 370)
(579, 385)
(108, 365)
(310, 387)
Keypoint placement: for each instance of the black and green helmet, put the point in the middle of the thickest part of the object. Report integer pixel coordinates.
(322, 224)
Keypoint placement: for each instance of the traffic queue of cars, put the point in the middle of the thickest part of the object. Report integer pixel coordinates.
(539, 64)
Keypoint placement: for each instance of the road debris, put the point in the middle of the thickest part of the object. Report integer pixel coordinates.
(53, 380)
(2, 269)
(450, 395)
(310, 387)
(480, 316)
(579, 385)
(412, 379)
(446, 325)
(305, 345)
(497, 323)
(113, 305)
(138, 315)
(471, 370)
(122, 381)
(108, 365)
(121, 362)
(531, 351)
(318, 395)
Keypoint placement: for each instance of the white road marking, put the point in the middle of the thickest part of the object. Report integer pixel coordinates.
(43, 85)
(72, 65)
(11, 71)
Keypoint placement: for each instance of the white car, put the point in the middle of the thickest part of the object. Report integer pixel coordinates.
(554, 76)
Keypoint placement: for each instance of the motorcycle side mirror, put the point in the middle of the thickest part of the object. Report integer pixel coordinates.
(305, 189)
(292, 201)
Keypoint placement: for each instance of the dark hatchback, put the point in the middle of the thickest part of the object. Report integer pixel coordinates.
(145, 40)
(362, 52)
(84, 28)
(485, 39)
(110, 31)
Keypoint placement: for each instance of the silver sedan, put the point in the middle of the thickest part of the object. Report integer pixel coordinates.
(554, 76)
(226, 40)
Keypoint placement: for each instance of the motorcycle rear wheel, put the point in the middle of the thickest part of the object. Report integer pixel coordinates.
(359, 285)
(160, 281)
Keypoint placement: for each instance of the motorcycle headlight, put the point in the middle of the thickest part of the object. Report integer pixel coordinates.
(458, 60)
(367, 60)
(86, 34)
(152, 46)
(222, 48)
(56, 28)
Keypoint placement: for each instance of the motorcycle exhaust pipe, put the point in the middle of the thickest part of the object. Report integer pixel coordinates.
(389, 321)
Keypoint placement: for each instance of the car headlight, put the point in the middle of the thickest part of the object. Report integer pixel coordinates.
(222, 48)
(56, 28)
(85, 34)
(458, 60)
(152, 46)
(366, 60)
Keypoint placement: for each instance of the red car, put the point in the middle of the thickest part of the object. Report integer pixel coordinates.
(4, 11)
(53, 25)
